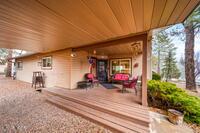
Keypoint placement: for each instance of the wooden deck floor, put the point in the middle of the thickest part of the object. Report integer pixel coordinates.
(116, 111)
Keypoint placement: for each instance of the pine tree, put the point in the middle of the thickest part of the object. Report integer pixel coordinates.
(170, 69)
(160, 44)
(191, 25)
(191, 28)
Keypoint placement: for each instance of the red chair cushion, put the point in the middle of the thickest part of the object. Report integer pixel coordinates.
(90, 76)
(125, 77)
(118, 76)
(121, 76)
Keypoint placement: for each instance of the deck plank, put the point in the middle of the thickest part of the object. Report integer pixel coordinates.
(108, 108)
(131, 112)
(111, 121)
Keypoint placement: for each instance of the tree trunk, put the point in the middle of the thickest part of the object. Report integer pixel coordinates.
(189, 58)
(9, 64)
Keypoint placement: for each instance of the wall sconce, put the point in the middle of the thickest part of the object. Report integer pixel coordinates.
(73, 53)
(95, 52)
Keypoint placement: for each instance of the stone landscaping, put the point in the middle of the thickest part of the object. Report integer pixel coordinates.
(22, 109)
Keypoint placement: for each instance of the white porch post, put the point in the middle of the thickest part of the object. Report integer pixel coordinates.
(144, 71)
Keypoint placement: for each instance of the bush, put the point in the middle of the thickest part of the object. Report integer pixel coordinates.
(166, 95)
(156, 76)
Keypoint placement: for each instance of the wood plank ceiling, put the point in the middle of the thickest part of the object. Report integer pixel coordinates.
(47, 25)
(128, 49)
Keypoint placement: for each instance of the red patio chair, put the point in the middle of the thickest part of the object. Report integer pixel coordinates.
(130, 84)
(90, 78)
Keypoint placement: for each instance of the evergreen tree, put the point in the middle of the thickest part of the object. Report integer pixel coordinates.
(3, 55)
(170, 69)
(160, 44)
(189, 26)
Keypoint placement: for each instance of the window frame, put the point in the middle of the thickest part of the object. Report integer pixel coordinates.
(17, 65)
(51, 61)
(126, 58)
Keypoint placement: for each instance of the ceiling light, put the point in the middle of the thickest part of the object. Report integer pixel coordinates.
(73, 53)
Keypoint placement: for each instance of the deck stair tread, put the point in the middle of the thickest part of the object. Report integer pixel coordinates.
(115, 123)
(107, 108)
(131, 113)
(114, 114)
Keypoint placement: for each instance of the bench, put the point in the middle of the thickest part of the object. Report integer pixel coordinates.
(120, 77)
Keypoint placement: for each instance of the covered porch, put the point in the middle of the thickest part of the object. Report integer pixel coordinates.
(128, 55)
(82, 25)
(103, 27)
(109, 107)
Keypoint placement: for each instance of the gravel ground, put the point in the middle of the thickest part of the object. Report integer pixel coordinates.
(22, 109)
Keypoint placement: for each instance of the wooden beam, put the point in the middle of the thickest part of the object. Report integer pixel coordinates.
(144, 72)
(116, 41)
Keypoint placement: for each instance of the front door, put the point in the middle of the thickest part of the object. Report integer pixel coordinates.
(102, 70)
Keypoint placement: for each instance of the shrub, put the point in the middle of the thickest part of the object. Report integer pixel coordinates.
(156, 76)
(166, 95)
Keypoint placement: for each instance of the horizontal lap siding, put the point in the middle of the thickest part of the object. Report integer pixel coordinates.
(29, 65)
(79, 67)
(66, 71)
(57, 76)
(60, 70)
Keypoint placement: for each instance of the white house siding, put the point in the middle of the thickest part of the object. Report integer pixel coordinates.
(79, 66)
(66, 71)
(2, 68)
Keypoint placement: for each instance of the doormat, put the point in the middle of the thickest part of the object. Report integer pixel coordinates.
(109, 86)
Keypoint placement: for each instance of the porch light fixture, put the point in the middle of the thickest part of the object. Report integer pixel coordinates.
(73, 53)
(94, 52)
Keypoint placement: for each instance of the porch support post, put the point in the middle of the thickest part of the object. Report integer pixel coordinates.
(144, 72)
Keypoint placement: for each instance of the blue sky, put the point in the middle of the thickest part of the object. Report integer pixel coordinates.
(180, 44)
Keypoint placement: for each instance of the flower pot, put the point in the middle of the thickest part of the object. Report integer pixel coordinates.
(175, 116)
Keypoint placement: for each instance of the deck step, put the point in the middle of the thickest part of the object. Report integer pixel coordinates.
(130, 114)
(109, 121)
(115, 116)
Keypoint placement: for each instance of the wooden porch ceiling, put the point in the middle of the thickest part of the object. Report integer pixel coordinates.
(48, 25)
(121, 49)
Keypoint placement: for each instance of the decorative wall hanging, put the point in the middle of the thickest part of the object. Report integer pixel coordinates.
(136, 65)
(136, 49)
(90, 60)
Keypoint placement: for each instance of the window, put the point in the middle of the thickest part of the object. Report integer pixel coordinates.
(47, 62)
(120, 66)
(19, 65)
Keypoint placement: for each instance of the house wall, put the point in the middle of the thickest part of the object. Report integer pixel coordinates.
(138, 59)
(2, 68)
(79, 66)
(65, 72)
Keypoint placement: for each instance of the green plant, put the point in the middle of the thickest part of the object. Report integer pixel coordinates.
(166, 95)
(156, 76)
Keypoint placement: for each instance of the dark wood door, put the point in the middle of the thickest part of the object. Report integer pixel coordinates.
(102, 70)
